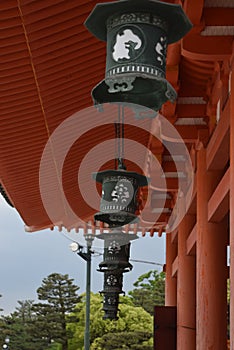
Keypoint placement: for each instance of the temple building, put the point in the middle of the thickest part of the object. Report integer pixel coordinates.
(57, 129)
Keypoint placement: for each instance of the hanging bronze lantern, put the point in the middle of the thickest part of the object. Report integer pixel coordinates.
(115, 263)
(119, 196)
(118, 207)
(113, 281)
(110, 305)
(137, 33)
(116, 250)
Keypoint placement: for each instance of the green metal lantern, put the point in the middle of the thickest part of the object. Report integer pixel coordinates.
(115, 263)
(137, 33)
(113, 281)
(116, 250)
(119, 196)
(110, 305)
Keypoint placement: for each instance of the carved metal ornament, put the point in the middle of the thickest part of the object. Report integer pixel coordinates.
(111, 280)
(114, 247)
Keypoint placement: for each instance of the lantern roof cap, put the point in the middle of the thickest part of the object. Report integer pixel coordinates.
(101, 175)
(178, 22)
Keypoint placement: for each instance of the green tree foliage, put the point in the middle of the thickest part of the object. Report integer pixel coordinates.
(123, 340)
(149, 291)
(19, 326)
(3, 333)
(1, 308)
(59, 296)
(131, 320)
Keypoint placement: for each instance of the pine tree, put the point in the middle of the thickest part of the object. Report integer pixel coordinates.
(149, 291)
(59, 296)
(19, 327)
(123, 340)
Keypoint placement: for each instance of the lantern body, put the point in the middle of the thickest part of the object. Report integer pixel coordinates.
(137, 34)
(113, 281)
(115, 263)
(119, 196)
(116, 250)
(110, 306)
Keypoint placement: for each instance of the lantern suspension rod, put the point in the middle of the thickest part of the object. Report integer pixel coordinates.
(122, 131)
(119, 135)
(116, 146)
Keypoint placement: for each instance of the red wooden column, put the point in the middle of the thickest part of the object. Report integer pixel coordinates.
(211, 268)
(232, 212)
(186, 289)
(170, 287)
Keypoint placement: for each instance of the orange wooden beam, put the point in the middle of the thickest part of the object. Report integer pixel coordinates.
(170, 184)
(192, 207)
(172, 167)
(194, 10)
(186, 290)
(174, 267)
(211, 264)
(218, 147)
(232, 206)
(189, 133)
(149, 219)
(174, 236)
(218, 204)
(218, 16)
(170, 285)
(190, 111)
(191, 241)
(207, 48)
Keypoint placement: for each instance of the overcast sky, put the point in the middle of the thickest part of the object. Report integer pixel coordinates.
(26, 258)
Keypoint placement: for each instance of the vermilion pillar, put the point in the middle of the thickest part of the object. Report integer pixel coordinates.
(211, 268)
(170, 287)
(232, 212)
(186, 289)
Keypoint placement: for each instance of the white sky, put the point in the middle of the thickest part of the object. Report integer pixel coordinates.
(26, 258)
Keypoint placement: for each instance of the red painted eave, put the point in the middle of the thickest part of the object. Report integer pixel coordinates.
(49, 64)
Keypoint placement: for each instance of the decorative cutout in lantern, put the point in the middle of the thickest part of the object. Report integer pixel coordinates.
(137, 33)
